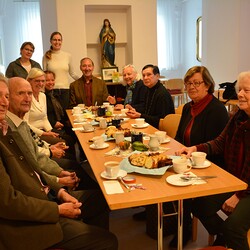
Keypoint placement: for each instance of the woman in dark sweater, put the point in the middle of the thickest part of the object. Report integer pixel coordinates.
(203, 119)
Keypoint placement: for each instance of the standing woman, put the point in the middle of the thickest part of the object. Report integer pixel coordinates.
(22, 65)
(107, 40)
(60, 63)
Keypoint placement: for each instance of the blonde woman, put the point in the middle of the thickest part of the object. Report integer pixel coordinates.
(37, 116)
(60, 63)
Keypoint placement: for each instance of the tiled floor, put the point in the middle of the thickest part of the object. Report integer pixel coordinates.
(132, 236)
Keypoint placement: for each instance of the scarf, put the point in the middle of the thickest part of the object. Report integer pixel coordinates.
(196, 109)
(128, 98)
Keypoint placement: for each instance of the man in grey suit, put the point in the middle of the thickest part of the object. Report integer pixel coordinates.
(29, 217)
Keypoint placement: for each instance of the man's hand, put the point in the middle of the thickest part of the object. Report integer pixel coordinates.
(58, 149)
(111, 99)
(128, 106)
(69, 179)
(230, 204)
(56, 152)
(63, 196)
(133, 114)
(70, 210)
(119, 106)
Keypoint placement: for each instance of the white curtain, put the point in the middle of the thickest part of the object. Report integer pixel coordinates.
(29, 26)
(169, 34)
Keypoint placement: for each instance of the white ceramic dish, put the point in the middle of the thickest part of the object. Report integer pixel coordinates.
(104, 145)
(121, 173)
(145, 125)
(177, 181)
(205, 165)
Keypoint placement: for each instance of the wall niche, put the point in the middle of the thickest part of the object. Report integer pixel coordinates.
(120, 19)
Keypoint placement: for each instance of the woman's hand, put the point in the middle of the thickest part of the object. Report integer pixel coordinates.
(58, 125)
(186, 150)
(50, 133)
(230, 204)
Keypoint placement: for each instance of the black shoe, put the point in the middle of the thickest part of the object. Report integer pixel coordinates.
(174, 242)
(220, 241)
(140, 216)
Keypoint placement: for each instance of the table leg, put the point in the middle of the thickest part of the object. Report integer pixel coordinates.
(180, 223)
(160, 226)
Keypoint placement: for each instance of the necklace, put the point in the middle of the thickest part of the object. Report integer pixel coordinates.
(148, 107)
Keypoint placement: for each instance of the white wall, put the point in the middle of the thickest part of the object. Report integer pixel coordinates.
(226, 38)
(71, 23)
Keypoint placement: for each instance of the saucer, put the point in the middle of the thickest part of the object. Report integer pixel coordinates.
(206, 164)
(104, 145)
(143, 126)
(166, 140)
(177, 181)
(80, 121)
(121, 173)
(88, 130)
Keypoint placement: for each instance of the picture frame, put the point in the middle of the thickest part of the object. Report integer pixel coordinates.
(107, 73)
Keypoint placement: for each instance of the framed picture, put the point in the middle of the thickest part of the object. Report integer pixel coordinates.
(107, 73)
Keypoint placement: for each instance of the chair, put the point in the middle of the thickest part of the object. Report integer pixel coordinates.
(175, 87)
(179, 109)
(170, 124)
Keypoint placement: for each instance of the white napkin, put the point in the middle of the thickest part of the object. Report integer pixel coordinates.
(113, 187)
(79, 129)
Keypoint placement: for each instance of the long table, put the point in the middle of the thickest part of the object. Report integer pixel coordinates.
(157, 189)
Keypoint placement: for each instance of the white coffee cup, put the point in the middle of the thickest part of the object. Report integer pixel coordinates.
(119, 137)
(199, 158)
(103, 123)
(110, 108)
(139, 121)
(98, 141)
(87, 126)
(77, 110)
(161, 136)
(124, 111)
(106, 104)
(81, 105)
(112, 168)
(180, 165)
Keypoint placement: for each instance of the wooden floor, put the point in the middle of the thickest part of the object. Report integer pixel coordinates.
(132, 236)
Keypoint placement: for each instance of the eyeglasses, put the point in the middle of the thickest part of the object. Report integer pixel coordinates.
(196, 84)
(37, 81)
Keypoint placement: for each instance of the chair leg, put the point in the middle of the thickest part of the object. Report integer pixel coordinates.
(210, 239)
(194, 228)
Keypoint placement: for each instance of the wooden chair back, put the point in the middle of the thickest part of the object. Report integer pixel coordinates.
(170, 124)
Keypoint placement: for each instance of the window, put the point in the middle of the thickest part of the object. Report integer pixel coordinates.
(199, 39)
